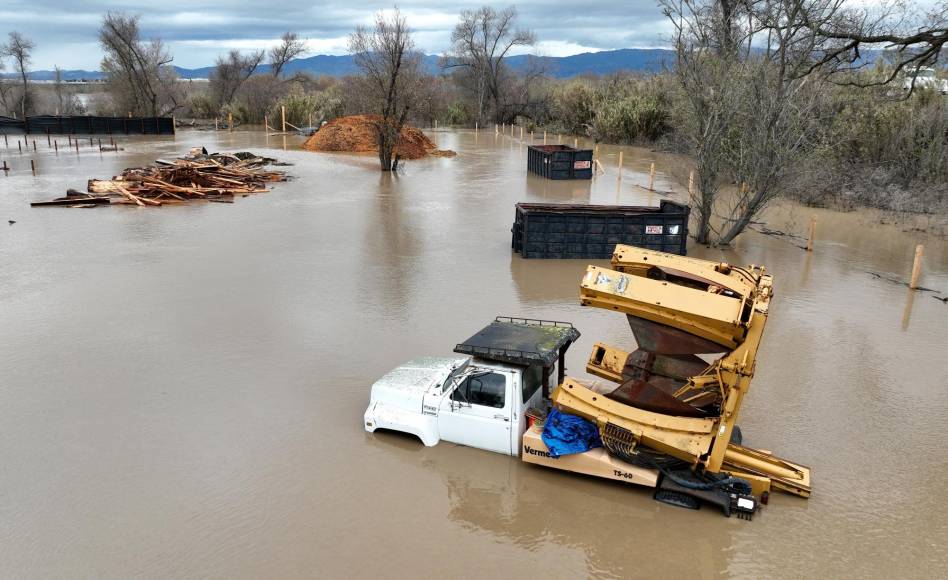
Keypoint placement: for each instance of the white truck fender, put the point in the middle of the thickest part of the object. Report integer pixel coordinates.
(382, 416)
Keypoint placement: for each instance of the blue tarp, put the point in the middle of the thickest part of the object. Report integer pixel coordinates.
(565, 434)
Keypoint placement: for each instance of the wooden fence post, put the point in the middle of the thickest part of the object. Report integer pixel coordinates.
(651, 177)
(619, 166)
(283, 117)
(691, 182)
(230, 121)
(917, 266)
(812, 234)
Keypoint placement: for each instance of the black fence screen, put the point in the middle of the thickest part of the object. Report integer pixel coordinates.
(89, 125)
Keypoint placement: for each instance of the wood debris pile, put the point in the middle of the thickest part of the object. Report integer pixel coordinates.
(200, 176)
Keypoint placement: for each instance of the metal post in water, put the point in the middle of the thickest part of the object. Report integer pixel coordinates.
(34, 144)
(47, 138)
(56, 146)
(917, 266)
(20, 147)
(33, 166)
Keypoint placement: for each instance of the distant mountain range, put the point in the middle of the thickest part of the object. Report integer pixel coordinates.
(598, 63)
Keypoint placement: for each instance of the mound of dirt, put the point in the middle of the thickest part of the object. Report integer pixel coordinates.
(356, 134)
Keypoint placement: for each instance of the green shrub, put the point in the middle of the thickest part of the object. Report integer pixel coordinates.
(302, 107)
(630, 119)
(455, 114)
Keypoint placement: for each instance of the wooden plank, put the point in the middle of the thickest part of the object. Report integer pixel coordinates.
(72, 201)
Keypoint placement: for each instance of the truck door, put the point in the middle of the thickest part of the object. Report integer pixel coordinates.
(478, 411)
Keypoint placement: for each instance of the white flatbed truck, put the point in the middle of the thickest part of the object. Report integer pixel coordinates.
(481, 397)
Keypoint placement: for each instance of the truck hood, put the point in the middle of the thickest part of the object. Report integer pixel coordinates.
(405, 386)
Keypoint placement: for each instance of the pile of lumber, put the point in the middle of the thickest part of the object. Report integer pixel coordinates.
(199, 176)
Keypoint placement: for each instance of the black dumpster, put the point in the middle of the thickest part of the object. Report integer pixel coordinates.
(560, 162)
(592, 231)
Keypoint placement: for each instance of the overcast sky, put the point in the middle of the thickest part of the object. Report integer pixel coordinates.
(65, 31)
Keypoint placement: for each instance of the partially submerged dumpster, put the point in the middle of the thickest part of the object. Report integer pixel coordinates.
(560, 162)
(592, 231)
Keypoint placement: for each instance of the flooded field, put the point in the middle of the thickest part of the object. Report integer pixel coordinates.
(182, 387)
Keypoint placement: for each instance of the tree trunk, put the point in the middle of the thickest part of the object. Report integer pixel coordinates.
(386, 147)
(736, 229)
(26, 92)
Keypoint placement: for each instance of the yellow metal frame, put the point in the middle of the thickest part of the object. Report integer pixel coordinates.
(734, 319)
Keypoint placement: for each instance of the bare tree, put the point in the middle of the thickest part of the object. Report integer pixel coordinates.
(390, 64)
(20, 48)
(59, 90)
(290, 47)
(480, 42)
(752, 116)
(141, 79)
(230, 73)
(704, 76)
(844, 33)
(4, 87)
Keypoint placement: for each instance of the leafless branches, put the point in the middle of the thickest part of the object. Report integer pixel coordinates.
(845, 32)
(139, 72)
(230, 73)
(20, 48)
(290, 47)
(751, 114)
(390, 78)
(480, 42)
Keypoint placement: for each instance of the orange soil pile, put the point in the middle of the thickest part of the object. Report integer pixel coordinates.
(356, 134)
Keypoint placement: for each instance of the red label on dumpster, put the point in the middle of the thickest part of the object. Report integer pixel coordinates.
(653, 229)
(582, 164)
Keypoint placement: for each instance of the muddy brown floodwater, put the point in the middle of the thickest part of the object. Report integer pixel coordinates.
(182, 389)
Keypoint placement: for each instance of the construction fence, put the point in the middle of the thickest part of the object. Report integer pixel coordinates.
(88, 125)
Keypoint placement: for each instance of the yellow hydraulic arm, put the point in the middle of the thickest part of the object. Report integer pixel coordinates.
(673, 401)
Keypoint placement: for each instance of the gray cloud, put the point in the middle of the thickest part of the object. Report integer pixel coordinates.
(198, 30)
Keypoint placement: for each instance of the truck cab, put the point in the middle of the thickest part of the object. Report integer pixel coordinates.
(480, 397)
